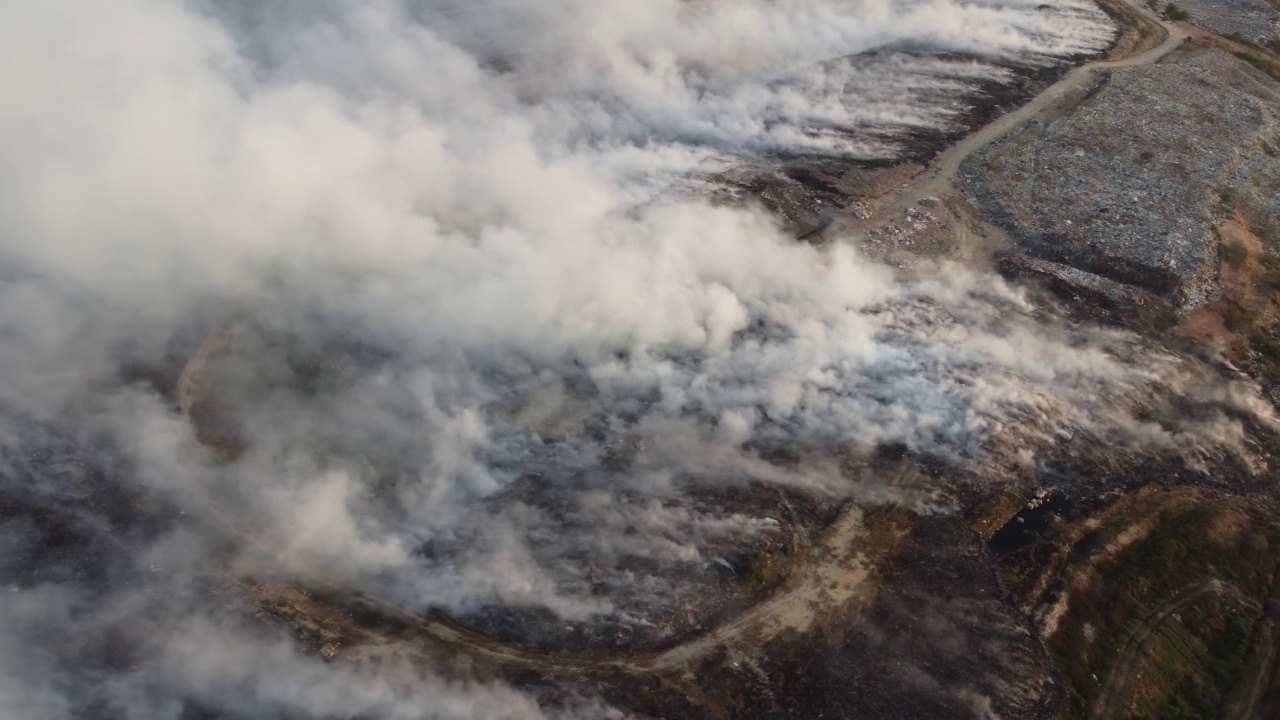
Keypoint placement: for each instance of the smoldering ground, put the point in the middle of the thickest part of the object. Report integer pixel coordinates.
(480, 355)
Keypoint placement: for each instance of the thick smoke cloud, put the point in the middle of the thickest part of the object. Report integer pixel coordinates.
(482, 342)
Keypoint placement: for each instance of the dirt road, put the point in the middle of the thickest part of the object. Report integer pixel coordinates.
(829, 577)
(938, 180)
(832, 576)
(187, 389)
(1116, 689)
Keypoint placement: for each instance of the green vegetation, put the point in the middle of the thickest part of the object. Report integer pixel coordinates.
(1232, 253)
(1193, 655)
(1239, 318)
(1249, 308)
(1267, 347)
(1262, 341)
(1272, 69)
(1176, 13)
(1167, 624)
(763, 570)
(1203, 654)
(1245, 320)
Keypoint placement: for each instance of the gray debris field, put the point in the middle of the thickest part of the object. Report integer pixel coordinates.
(1132, 184)
(1252, 20)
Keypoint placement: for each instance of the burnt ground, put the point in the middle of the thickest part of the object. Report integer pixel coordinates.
(940, 633)
(729, 577)
(964, 616)
(938, 640)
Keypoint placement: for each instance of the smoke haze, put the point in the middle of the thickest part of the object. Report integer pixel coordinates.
(483, 348)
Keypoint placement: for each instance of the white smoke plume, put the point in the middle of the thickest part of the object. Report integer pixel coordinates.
(445, 241)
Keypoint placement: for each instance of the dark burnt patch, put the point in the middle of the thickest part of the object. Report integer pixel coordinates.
(938, 641)
(729, 574)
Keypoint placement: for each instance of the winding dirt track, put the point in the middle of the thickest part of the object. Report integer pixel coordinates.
(938, 179)
(1116, 691)
(942, 171)
(833, 574)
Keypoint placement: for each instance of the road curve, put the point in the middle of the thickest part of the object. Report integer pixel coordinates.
(939, 177)
(1116, 690)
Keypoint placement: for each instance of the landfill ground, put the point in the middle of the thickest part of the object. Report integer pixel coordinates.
(1139, 189)
(1104, 584)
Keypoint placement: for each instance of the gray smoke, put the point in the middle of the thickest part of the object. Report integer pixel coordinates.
(447, 244)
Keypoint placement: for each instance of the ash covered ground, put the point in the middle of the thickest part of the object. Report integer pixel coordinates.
(440, 359)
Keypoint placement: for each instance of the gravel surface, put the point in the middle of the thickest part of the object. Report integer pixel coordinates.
(1131, 185)
(1248, 19)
